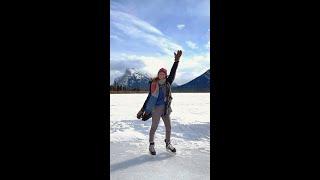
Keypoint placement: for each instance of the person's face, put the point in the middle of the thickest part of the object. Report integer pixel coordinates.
(162, 75)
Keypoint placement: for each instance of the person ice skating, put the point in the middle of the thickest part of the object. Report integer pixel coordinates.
(158, 103)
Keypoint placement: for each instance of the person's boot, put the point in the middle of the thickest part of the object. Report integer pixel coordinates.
(169, 146)
(151, 149)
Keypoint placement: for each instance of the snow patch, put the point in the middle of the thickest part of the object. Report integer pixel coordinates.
(190, 121)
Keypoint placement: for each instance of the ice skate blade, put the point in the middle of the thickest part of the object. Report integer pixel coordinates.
(168, 150)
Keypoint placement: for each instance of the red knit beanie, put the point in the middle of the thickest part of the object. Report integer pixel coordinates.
(162, 70)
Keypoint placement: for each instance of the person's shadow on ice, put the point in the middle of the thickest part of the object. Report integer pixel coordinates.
(139, 160)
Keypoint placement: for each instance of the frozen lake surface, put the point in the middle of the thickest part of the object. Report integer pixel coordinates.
(129, 155)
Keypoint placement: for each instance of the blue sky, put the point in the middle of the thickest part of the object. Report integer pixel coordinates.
(144, 34)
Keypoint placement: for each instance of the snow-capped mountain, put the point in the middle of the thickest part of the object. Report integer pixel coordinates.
(133, 78)
(199, 84)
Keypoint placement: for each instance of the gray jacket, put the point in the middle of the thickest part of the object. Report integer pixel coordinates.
(169, 81)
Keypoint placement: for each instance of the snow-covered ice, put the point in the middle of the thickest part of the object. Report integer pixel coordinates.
(129, 155)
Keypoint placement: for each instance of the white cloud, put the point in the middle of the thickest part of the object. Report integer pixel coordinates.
(151, 63)
(114, 74)
(139, 29)
(208, 45)
(189, 67)
(191, 44)
(197, 63)
(115, 37)
(193, 67)
(181, 26)
(133, 21)
(122, 64)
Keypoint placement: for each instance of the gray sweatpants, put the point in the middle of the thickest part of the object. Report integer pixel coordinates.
(158, 112)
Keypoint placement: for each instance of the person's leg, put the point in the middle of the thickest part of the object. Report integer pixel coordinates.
(155, 122)
(167, 123)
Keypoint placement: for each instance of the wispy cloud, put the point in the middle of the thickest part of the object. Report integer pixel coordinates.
(192, 67)
(136, 28)
(122, 64)
(115, 37)
(181, 26)
(144, 35)
(191, 44)
(208, 45)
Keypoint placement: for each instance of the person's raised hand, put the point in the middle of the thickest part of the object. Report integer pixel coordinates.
(177, 55)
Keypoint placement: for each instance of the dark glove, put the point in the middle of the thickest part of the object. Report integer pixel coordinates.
(140, 113)
(146, 116)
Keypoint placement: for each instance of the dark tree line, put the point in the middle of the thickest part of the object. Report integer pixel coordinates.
(119, 88)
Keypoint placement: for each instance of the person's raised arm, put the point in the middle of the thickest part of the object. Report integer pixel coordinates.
(174, 67)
